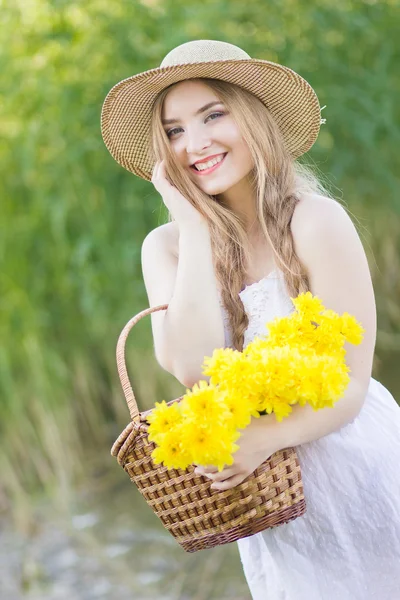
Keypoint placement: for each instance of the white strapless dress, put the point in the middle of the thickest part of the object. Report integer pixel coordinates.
(347, 545)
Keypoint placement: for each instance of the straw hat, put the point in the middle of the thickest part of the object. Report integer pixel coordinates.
(127, 109)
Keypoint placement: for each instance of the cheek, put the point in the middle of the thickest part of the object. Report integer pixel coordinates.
(236, 143)
(242, 154)
(178, 150)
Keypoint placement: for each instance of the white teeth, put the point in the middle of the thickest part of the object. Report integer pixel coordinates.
(210, 163)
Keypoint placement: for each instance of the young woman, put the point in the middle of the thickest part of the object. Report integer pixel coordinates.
(218, 134)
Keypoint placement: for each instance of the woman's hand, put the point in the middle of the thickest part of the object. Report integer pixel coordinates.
(179, 206)
(255, 446)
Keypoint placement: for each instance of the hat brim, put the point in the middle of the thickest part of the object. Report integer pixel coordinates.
(127, 109)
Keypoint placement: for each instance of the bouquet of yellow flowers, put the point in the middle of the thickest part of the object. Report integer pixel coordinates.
(301, 360)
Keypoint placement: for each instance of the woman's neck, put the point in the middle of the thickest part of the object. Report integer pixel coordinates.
(242, 201)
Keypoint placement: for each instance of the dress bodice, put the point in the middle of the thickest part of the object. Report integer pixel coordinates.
(263, 301)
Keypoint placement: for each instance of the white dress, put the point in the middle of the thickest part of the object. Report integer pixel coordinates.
(347, 544)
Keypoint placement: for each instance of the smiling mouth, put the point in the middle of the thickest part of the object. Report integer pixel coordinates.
(210, 169)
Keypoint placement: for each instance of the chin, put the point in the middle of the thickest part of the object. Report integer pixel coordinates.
(214, 191)
(214, 188)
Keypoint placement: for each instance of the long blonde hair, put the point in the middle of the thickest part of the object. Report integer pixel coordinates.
(278, 180)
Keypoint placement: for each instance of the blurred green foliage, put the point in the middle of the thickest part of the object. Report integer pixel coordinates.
(72, 220)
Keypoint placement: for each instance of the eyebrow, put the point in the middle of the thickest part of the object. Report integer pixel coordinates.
(198, 112)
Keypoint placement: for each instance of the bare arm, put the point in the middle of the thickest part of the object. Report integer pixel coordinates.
(328, 245)
(192, 326)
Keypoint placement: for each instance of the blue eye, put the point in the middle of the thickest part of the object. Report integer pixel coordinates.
(172, 131)
(169, 133)
(218, 114)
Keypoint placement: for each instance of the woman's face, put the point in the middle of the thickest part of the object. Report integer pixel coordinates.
(200, 133)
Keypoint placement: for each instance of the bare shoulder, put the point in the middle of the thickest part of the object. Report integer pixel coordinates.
(166, 235)
(167, 232)
(313, 210)
(319, 221)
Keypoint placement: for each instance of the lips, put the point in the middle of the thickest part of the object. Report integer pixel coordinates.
(210, 169)
(207, 158)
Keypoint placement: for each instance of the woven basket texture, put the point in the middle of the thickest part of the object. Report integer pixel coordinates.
(197, 516)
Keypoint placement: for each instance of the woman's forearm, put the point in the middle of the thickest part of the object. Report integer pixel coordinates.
(193, 324)
(304, 424)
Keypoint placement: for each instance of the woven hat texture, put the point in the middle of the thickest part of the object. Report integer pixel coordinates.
(127, 108)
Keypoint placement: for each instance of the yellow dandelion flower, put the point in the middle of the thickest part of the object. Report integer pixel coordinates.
(281, 409)
(351, 329)
(327, 337)
(335, 378)
(238, 374)
(281, 331)
(308, 305)
(242, 379)
(163, 418)
(211, 446)
(219, 366)
(240, 411)
(204, 404)
(330, 314)
(305, 386)
(280, 365)
(256, 348)
(170, 450)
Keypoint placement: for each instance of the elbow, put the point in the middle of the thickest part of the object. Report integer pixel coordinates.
(186, 378)
(163, 360)
(186, 369)
(166, 362)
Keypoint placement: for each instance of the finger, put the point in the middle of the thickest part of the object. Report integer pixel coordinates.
(204, 470)
(228, 483)
(198, 465)
(164, 176)
(155, 171)
(224, 474)
(161, 171)
(210, 469)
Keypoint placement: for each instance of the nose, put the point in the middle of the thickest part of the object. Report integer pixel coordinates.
(196, 140)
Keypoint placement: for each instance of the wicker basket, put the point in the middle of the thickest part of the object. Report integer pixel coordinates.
(197, 516)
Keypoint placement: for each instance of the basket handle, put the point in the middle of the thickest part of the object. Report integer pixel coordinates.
(121, 364)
